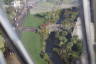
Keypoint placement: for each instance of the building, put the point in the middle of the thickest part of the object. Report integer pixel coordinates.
(77, 29)
(17, 4)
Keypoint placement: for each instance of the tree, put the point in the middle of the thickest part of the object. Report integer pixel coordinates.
(69, 49)
(46, 58)
(8, 1)
(74, 39)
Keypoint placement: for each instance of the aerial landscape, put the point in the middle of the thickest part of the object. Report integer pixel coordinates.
(49, 29)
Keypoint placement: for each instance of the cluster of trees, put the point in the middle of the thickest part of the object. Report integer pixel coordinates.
(50, 16)
(11, 12)
(46, 57)
(71, 14)
(70, 47)
(8, 1)
(54, 15)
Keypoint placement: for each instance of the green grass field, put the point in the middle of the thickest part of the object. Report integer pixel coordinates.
(33, 21)
(33, 45)
(31, 40)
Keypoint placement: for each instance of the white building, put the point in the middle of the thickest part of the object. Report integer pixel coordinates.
(16, 4)
(78, 29)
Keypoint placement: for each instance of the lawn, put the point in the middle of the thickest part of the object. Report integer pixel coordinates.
(33, 21)
(33, 45)
(32, 40)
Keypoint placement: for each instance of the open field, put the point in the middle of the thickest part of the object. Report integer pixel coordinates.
(33, 21)
(33, 44)
(32, 40)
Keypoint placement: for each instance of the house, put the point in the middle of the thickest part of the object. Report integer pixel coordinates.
(17, 4)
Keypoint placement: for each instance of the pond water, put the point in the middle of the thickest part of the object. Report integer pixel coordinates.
(50, 44)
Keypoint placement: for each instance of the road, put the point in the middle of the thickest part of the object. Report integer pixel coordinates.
(47, 7)
(18, 19)
(29, 29)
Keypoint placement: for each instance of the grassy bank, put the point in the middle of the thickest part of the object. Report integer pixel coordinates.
(33, 21)
(33, 44)
(31, 40)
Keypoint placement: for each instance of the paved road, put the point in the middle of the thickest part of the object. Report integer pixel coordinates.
(18, 19)
(29, 29)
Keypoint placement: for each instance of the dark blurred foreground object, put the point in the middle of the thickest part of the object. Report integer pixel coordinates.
(14, 39)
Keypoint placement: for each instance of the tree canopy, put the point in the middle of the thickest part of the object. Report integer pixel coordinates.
(69, 49)
(8, 1)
